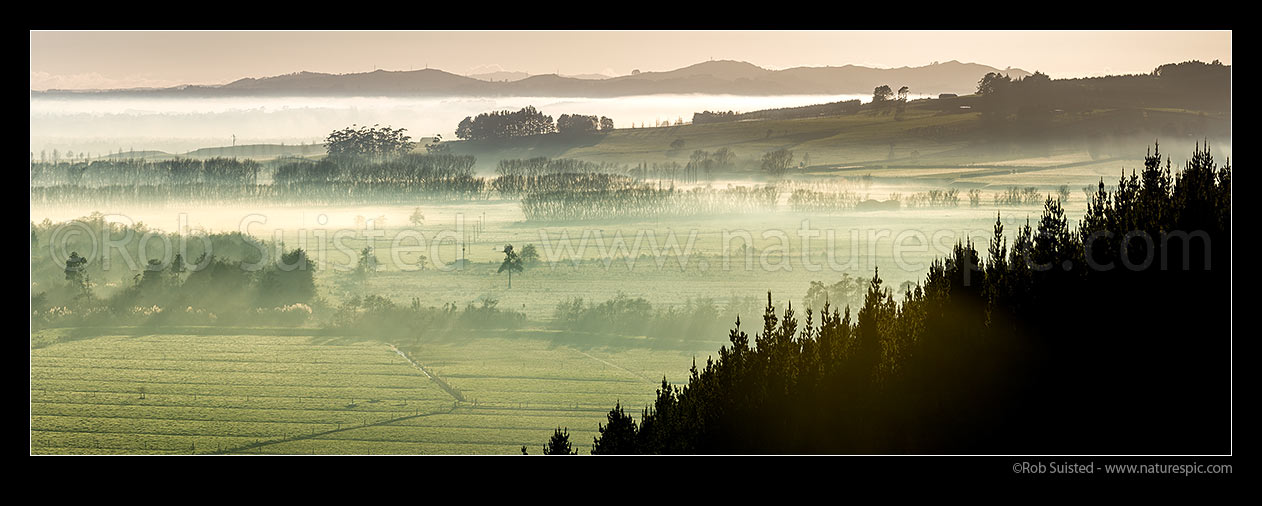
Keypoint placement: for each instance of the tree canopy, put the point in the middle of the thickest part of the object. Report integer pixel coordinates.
(502, 124)
(373, 144)
(577, 124)
(560, 443)
(777, 163)
(512, 263)
(882, 93)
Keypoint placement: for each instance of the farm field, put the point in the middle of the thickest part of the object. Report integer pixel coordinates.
(672, 261)
(298, 391)
(663, 261)
(189, 394)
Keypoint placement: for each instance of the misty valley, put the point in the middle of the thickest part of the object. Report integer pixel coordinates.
(913, 270)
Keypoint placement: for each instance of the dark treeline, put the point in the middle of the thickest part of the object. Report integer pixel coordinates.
(542, 165)
(644, 201)
(501, 124)
(627, 316)
(430, 175)
(403, 170)
(815, 201)
(1189, 85)
(702, 165)
(239, 284)
(808, 111)
(142, 195)
(1025, 111)
(568, 124)
(52, 242)
(948, 197)
(834, 201)
(1018, 197)
(369, 143)
(401, 178)
(805, 200)
(378, 317)
(461, 188)
(1113, 338)
(134, 172)
(525, 122)
(564, 183)
(245, 281)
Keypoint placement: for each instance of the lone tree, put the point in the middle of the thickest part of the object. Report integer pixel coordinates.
(676, 146)
(560, 443)
(512, 262)
(77, 272)
(882, 99)
(371, 144)
(882, 93)
(902, 101)
(777, 163)
(367, 264)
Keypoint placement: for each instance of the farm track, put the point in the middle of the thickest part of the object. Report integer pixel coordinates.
(314, 435)
(455, 394)
(615, 366)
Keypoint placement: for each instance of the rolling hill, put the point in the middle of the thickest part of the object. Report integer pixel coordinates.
(713, 77)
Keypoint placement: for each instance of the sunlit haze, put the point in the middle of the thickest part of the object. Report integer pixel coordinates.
(995, 244)
(109, 59)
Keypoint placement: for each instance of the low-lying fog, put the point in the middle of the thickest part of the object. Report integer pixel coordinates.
(178, 125)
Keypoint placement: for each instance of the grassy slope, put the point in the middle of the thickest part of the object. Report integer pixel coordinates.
(928, 134)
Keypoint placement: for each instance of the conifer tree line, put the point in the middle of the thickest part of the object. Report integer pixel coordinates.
(406, 169)
(645, 201)
(1112, 337)
(179, 171)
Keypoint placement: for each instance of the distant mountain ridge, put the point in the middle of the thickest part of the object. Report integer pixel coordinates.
(712, 77)
(509, 76)
(500, 76)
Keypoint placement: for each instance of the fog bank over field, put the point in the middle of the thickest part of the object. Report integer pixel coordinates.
(178, 125)
(294, 265)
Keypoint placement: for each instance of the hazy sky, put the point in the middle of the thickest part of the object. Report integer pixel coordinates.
(113, 59)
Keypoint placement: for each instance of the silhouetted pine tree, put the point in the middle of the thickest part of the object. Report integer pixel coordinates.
(618, 437)
(560, 443)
